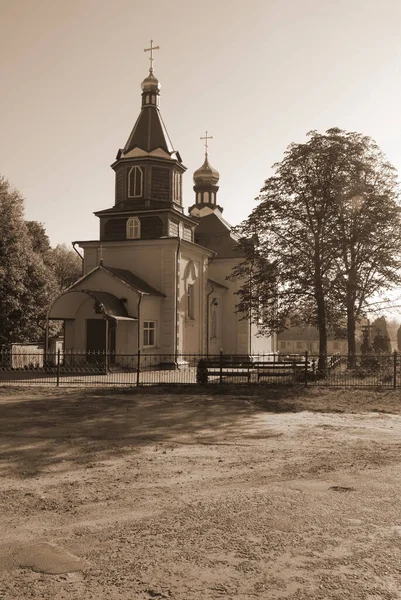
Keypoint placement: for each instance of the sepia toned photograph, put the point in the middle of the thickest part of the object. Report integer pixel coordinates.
(200, 300)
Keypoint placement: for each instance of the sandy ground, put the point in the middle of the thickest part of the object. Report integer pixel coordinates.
(265, 494)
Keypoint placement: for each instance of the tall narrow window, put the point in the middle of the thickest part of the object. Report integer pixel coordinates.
(149, 334)
(135, 182)
(176, 186)
(133, 228)
(190, 301)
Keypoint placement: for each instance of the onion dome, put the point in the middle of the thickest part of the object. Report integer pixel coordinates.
(151, 83)
(206, 175)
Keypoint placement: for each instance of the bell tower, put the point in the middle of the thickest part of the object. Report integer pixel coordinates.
(148, 184)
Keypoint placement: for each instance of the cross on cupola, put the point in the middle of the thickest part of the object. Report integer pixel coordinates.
(151, 59)
(205, 179)
(150, 85)
(206, 138)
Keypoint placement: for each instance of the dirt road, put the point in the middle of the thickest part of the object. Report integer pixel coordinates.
(125, 496)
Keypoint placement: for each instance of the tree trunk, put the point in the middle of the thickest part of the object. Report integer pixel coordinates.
(321, 313)
(351, 336)
(350, 300)
(322, 327)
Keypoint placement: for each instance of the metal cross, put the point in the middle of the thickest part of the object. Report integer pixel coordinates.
(206, 137)
(152, 47)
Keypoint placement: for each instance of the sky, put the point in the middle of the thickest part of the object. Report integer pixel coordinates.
(258, 75)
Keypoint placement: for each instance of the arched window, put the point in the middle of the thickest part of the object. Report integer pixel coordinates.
(190, 276)
(133, 228)
(135, 182)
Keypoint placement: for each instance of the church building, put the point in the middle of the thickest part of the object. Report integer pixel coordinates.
(156, 280)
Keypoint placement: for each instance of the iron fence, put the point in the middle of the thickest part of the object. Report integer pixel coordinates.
(88, 369)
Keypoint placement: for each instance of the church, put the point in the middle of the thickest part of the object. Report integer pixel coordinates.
(156, 280)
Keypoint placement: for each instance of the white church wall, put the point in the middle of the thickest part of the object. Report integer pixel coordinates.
(234, 331)
(91, 259)
(261, 344)
(238, 336)
(69, 331)
(143, 257)
(154, 261)
(126, 341)
(215, 301)
(191, 325)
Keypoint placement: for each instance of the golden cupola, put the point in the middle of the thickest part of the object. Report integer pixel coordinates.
(206, 179)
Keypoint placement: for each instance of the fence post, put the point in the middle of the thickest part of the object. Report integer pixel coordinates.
(306, 368)
(221, 367)
(395, 369)
(138, 367)
(58, 368)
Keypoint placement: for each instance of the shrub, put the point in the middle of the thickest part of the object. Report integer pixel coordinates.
(201, 371)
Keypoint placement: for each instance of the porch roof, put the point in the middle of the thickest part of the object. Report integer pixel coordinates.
(67, 305)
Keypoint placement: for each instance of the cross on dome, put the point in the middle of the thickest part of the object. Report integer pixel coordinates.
(206, 138)
(152, 47)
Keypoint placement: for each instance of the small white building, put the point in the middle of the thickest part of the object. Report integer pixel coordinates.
(156, 280)
(298, 340)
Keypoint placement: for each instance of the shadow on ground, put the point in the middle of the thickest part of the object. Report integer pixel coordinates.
(45, 430)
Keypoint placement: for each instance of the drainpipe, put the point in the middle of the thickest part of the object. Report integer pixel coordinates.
(139, 321)
(177, 300)
(207, 318)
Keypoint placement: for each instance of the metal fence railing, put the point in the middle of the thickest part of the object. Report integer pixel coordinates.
(89, 369)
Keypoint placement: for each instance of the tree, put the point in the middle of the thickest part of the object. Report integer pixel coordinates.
(367, 227)
(288, 244)
(323, 238)
(39, 240)
(67, 266)
(25, 281)
(381, 340)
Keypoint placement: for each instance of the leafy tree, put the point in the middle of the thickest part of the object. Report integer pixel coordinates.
(381, 340)
(367, 227)
(39, 240)
(25, 281)
(323, 238)
(288, 266)
(67, 266)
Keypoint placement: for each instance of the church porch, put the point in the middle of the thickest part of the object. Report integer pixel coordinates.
(97, 328)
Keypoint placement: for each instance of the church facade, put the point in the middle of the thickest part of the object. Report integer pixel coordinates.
(156, 280)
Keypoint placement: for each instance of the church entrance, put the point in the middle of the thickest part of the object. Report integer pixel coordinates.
(95, 340)
(95, 335)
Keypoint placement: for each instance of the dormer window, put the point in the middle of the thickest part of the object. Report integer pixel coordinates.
(135, 182)
(133, 228)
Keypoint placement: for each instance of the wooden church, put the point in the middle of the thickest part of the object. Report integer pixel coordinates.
(156, 280)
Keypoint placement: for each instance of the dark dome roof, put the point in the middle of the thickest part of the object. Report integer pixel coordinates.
(151, 84)
(206, 174)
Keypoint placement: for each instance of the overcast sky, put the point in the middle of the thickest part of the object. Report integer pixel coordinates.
(257, 75)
